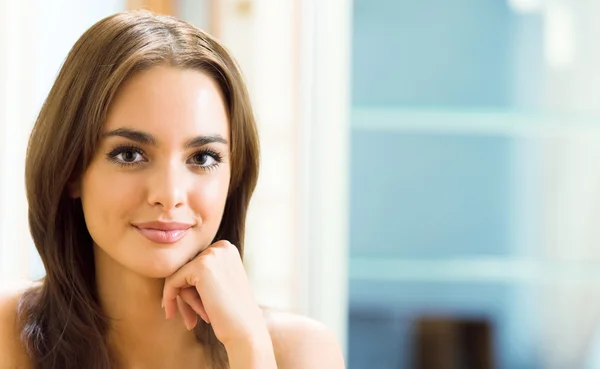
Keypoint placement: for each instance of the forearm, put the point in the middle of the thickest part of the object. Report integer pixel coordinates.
(256, 353)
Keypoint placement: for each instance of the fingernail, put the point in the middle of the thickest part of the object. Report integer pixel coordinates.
(162, 304)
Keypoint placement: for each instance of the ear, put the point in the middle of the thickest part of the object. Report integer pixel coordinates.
(74, 188)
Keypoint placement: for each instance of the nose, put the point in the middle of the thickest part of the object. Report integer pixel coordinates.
(167, 187)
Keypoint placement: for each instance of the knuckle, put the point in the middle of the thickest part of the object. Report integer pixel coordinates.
(229, 247)
(222, 244)
(204, 260)
(192, 279)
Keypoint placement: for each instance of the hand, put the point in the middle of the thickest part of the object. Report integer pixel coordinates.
(214, 285)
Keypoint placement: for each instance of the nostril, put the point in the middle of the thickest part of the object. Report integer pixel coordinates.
(168, 204)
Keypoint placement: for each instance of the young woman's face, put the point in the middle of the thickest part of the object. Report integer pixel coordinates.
(153, 196)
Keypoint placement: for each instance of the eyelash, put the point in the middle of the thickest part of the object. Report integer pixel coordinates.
(112, 156)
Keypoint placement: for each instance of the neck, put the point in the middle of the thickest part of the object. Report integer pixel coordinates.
(139, 334)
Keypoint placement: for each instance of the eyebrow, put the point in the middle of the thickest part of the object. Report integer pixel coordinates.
(146, 138)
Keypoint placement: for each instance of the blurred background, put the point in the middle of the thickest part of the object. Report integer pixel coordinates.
(430, 186)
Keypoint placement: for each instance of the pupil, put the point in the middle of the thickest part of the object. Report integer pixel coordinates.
(201, 158)
(129, 156)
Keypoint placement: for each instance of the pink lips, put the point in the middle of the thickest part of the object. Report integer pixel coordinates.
(163, 232)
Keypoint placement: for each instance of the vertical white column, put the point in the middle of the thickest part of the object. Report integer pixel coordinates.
(328, 145)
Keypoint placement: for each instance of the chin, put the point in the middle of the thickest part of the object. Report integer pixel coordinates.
(159, 266)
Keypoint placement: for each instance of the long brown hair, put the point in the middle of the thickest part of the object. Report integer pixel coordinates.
(62, 323)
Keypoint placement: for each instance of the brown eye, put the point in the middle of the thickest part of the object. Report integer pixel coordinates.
(126, 155)
(202, 159)
(205, 159)
(129, 156)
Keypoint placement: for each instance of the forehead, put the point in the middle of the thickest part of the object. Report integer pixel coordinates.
(169, 102)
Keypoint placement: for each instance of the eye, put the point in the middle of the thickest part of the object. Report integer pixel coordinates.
(203, 159)
(206, 159)
(129, 156)
(126, 155)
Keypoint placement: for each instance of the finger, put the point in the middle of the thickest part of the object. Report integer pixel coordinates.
(190, 318)
(170, 307)
(173, 285)
(192, 298)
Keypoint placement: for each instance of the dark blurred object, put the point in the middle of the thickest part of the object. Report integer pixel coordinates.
(442, 343)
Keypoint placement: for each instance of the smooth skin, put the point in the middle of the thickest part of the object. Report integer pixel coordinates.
(165, 157)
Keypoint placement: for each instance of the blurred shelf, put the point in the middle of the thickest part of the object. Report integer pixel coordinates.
(485, 122)
(473, 270)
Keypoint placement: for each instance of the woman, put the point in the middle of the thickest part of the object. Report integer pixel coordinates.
(139, 172)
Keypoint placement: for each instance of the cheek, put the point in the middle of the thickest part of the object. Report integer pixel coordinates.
(208, 199)
(107, 199)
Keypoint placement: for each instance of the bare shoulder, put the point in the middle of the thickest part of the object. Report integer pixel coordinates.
(12, 351)
(300, 342)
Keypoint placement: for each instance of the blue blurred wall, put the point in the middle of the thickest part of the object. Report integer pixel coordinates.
(432, 52)
(438, 195)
